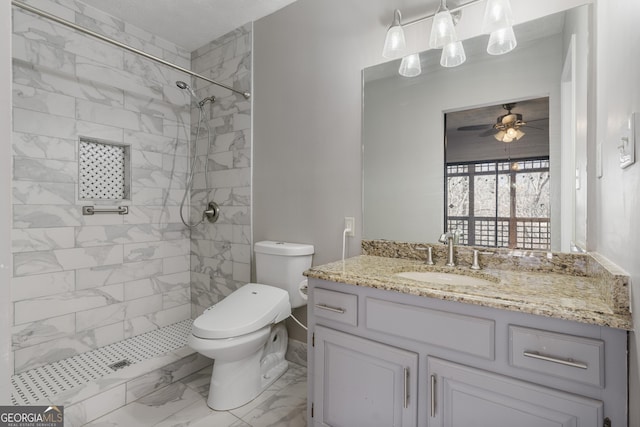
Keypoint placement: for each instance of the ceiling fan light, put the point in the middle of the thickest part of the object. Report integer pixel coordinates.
(497, 15)
(519, 134)
(500, 135)
(507, 139)
(453, 55)
(508, 118)
(394, 42)
(442, 29)
(511, 133)
(410, 66)
(502, 41)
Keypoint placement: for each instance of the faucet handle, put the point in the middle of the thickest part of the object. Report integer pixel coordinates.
(429, 250)
(476, 264)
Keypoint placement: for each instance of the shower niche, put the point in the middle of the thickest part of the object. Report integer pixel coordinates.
(104, 170)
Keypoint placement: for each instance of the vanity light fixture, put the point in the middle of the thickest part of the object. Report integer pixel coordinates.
(497, 22)
(443, 31)
(394, 43)
(410, 66)
(453, 55)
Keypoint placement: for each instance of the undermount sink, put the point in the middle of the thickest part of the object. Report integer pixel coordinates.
(441, 278)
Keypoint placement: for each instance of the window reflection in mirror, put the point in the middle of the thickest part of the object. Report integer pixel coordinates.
(497, 181)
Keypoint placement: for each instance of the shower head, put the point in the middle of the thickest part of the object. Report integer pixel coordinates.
(183, 85)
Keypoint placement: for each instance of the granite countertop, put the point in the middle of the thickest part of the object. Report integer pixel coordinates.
(552, 294)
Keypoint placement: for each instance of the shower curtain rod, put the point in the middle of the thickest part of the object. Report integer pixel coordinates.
(69, 24)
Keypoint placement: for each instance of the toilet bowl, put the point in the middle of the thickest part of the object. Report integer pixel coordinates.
(244, 333)
(234, 333)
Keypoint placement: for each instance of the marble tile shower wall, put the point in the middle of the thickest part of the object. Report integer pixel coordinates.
(82, 282)
(221, 253)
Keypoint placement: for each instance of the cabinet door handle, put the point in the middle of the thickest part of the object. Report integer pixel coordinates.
(331, 309)
(567, 362)
(433, 396)
(406, 388)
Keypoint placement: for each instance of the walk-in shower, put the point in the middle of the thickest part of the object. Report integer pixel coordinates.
(212, 210)
(102, 304)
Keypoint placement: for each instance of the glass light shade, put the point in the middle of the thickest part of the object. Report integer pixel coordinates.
(511, 133)
(501, 41)
(519, 134)
(501, 134)
(394, 43)
(410, 66)
(497, 15)
(442, 30)
(453, 55)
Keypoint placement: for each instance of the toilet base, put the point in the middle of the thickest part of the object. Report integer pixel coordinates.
(237, 382)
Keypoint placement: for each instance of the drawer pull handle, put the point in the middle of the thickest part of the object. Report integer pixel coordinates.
(331, 309)
(567, 362)
(406, 388)
(432, 390)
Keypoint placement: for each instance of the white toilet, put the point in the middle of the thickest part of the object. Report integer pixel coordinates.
(242, 332)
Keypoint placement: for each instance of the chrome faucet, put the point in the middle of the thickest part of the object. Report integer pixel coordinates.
(450, 239)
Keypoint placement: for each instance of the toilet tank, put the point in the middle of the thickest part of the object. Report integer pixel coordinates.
(281, 264)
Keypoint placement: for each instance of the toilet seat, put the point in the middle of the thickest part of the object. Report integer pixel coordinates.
(246, 310)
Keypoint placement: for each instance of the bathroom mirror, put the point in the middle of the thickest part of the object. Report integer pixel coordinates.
(404, 133)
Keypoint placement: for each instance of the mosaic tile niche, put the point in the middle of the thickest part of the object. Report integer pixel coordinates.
(104, 170)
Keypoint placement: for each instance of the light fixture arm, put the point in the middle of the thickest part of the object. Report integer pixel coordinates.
(452, 11)
(397, 18)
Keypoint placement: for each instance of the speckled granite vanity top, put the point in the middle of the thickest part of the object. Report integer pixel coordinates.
(580, 287)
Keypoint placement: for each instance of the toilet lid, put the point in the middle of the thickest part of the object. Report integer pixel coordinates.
(246, 310)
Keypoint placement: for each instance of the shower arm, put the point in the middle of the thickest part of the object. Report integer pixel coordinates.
(54, 18)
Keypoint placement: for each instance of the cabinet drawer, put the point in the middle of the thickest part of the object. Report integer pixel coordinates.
(472, 335)
(576, 358)
(336, 306)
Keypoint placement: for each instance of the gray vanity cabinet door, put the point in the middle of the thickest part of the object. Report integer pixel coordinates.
(362, 383)
(461, 396)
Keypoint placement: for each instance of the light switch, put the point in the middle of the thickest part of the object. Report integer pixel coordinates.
(627, 143)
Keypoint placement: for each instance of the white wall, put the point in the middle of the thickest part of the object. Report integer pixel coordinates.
(617, 194)
(6, 364)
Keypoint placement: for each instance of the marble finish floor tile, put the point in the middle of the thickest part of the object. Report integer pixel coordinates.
(184, 403)
(151, 409)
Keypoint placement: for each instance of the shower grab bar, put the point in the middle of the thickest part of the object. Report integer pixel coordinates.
(90, 210)
(69, 24)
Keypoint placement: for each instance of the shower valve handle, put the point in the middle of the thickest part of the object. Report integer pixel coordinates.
(212, 213)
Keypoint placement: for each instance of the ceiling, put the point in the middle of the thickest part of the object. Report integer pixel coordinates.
(188, 23)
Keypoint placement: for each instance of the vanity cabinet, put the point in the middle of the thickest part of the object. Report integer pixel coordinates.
(461, 396)
(363, 382)
(385, 358)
